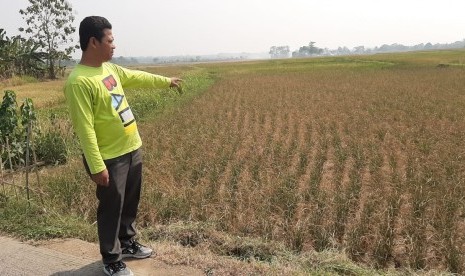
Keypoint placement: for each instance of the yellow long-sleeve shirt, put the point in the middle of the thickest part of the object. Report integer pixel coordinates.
(100, 113)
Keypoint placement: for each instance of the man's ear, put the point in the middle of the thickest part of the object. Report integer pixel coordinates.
(93, 42)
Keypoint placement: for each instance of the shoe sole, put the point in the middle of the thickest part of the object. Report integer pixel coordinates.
(125, 256)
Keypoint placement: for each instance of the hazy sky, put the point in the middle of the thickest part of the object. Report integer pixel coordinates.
(197, 27)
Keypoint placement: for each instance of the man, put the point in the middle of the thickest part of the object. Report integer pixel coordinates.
(109, 139)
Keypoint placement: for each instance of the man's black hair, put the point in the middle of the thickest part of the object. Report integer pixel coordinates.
(92, 26)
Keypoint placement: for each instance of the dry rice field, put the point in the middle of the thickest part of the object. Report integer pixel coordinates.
(361, 154)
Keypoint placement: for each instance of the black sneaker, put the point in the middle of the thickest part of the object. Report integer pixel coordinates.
(136, 250)
(117, 269)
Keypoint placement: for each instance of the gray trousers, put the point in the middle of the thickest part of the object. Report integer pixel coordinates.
(118, 204)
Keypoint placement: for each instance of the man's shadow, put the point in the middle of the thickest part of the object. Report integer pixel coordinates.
(93, 269)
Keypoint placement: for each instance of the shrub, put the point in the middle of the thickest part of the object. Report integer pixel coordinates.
(15, 127)
(51, 148)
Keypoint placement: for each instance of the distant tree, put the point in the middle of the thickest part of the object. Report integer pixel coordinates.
(49, 24)
(384, 48)
(272, 51)
(456, 45)
(311, 48)
(306, 51)
(428, 46)
(359, 50)
(343, 51)
(279, 51)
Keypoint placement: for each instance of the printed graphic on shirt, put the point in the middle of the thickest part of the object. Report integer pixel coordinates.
(127, 117)
(110, 82)
(116, 100)
(119, 103)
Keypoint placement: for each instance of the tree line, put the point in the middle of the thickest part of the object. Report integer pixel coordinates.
(43, 50)
(312, 50)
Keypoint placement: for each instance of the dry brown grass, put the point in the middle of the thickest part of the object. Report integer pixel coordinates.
(366, 158)
(44, 94)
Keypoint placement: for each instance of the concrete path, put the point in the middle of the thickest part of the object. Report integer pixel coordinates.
(71, 257)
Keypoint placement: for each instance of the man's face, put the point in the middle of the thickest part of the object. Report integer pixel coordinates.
(106, 46)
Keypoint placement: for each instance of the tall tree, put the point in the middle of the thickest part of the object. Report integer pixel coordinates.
(49, 24)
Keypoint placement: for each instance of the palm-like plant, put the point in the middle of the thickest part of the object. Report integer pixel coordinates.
(19, 56)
